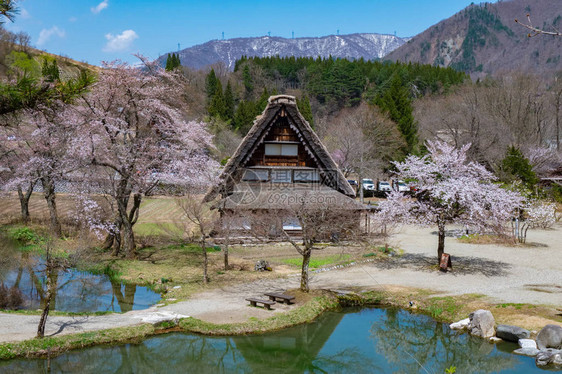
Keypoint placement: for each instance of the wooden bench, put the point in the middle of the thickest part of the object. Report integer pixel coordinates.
(287, 299)
(266, 303)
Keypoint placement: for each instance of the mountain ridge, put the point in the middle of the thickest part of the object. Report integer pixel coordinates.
(352, 46)
(484, 39)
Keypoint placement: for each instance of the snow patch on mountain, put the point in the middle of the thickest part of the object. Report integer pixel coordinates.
(352, 46)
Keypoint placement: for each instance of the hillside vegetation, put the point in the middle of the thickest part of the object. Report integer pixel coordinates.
(485, 39)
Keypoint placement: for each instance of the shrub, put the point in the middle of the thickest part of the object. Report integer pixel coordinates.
(516, 166)
(541, 214)
(24, 235)
(10, 298)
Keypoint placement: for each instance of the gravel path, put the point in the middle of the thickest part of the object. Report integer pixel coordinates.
(530, 274)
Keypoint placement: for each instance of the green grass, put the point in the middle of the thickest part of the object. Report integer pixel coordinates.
(101, 269)
(156, 229)
(515, 305)
(56, 345)
(379, 249)
(191, 248)
(444, 308)
(320, 261)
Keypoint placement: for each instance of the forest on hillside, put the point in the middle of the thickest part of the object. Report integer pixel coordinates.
(377, 111)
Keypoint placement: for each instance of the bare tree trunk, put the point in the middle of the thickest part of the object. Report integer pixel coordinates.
(128, 221)
(112, 234)
(205, 261)
(558, 104)
(49, 193)
(24, 202)
(441, 243)
(304, 271)
(226, 244)
(51, 287)
(117, 240)
(128, 240)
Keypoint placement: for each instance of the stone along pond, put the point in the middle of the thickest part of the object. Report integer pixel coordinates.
(77, 291)
(353, 341)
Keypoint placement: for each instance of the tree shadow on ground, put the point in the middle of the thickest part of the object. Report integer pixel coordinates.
(75, 324)
(462, 265)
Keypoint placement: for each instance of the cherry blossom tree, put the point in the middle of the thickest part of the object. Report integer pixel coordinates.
(37, 152)
(12, 155)
(136, 140)
(35, 134)
(451, 190)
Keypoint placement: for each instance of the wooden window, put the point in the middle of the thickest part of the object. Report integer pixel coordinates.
(260, 175)
(281, 176)
(291, 223)
(277, 149)
(306, 176)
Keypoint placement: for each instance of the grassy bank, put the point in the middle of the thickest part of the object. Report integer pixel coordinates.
(443, 309)
(308, 312)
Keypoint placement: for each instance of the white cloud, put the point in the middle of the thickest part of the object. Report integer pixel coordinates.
(101, 6)
(24, 14)
(120, 42)
(72, 19)
(46, 34)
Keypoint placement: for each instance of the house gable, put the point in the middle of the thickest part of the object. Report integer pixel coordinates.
(281, 147)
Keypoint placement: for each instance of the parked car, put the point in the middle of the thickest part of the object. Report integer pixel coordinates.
(400, 186)
(368, 184)
(353, 183)
(384, 186)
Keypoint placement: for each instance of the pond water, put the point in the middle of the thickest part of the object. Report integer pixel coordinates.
(355, 341)
(77, 291)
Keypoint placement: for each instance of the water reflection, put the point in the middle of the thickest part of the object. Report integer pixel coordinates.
(420, 344)
(367, 341)
(76, 291)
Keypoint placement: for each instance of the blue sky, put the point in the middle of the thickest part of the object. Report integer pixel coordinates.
(104, 30)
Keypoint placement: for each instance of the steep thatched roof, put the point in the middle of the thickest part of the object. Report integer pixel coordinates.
(333, 177)
(276, 196)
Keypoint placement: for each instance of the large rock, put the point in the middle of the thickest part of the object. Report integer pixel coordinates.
(155, 318)
(532, 352)
(550, 337)
(460, 325)
(482, 323)
(512, 333)
(549, 356)
(527, 343)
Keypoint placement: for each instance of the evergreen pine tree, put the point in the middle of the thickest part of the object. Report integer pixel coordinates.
(176, 63)
(262, 102)
(172, 62)
(168, 63)
(244, 117)
(397, 103)
(516, 166)
(217, 105)
(247, 80)
(229, 104)
(305, 109)
(211, 81)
